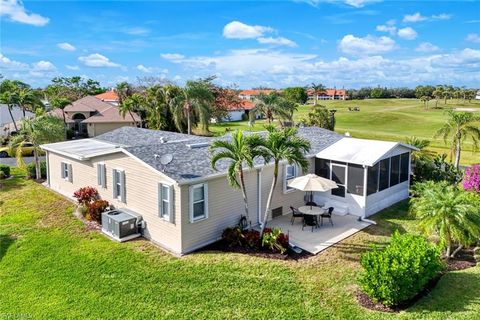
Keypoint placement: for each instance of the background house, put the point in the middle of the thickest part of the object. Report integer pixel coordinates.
(186, 204)
(327, 94)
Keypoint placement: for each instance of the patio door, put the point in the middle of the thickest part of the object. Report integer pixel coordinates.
(339, 175)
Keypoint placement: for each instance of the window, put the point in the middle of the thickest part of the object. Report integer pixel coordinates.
(198, 202)
(165, 197)
(384, 174)
(290, 173)
(339, 175)
(101, 175)
(322, 168)
(119, 190)
(404, 164)
(356, 174)
(372, 179)
(394, 170)
(66, 171)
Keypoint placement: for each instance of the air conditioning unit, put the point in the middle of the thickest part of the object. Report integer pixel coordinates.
(122, 224)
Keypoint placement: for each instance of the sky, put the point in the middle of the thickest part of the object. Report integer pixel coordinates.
(339, 43)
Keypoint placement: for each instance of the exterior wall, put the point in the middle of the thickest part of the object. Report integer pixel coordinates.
(235, 115)
(141, 192)
(385, 198)
(95, 129)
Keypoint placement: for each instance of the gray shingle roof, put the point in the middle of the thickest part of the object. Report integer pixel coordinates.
(193, 162)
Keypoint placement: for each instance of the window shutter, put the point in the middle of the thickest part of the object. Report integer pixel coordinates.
(62, 170)
(70, 177)
(159, 200)
(99, 174)
(123, 189)
(170, 204)
(104, 176)
(114, 182)
(205, 197)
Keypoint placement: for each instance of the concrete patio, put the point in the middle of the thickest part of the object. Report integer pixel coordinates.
(321, 238)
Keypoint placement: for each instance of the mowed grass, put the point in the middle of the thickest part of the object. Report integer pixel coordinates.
(385, 119)
(53, 267)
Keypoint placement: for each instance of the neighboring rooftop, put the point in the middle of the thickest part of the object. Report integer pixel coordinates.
(109, 96)
(82, 149)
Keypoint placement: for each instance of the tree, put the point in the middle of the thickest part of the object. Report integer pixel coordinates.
(163, 111)
(73, 88)
(285, 110)
(9, 96)
(320, 117)
(425, 100)
(196, 100)
(38, 131)
(280, 145)
(460, 124)
(317, 88)
(60, 103)
(295, 94)
(265, 104)
(421, 145)
(130, 105)
(451, 214)
(239, 153)
(124, 90)
(437, 94)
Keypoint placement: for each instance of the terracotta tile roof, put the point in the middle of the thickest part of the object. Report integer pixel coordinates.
(110, 95)
(253, 92)
(330, 92)
(243, 105)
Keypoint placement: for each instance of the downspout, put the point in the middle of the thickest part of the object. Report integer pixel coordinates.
(259, 195)
(365, 196)
(48, 167)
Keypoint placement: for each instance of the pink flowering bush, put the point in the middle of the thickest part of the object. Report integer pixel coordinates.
(471, 179)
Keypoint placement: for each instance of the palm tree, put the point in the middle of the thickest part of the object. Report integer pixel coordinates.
(460, 124)
(281, 145)
(425, 100)
(28, 100)
(239, 153)
(130, 105)
(123, 90)
(285, 110)
(447, 93)
(317, 88)
(422, 145)
(451, 214)
(438, 94)
(9, 96)
(267, 105)
(60, 103)
(43, 129)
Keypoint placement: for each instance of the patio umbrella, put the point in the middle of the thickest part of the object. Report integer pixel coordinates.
(311, 182)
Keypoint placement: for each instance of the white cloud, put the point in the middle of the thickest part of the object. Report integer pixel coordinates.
(97, 60)
(357, 3)
(407, 33)
(172, 56)
(44, 66)
(352, 3)
(15, 11)
(6, 63)
(66, 46)
(239, 30)
(442, 16)
(426, 47)
(142, 68)
(387, 28)
(473, 37)
(74, 68)
(280, 41)
(416, 17)
(368, 45)
(137, 31)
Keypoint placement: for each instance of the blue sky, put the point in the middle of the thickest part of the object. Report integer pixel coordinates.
(349, 43)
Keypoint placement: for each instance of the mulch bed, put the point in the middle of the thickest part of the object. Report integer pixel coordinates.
(463, 260)
(263, 253)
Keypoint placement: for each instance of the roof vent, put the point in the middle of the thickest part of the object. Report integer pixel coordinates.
(198, 145)
(163, 140)
(347, 134)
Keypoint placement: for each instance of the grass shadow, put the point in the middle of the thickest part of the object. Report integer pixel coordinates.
(5, 242)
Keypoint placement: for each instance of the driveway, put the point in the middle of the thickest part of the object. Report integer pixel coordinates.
(12, 162)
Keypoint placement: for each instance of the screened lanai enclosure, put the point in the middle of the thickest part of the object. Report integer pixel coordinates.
(371, 175)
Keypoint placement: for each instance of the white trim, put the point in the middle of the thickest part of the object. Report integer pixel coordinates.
(116, 183)
(344, 185)
(165, 216)
(205, 202)
(286, 190)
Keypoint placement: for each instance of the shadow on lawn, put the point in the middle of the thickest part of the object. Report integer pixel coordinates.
(456, 292)
(13, 183)
(5, 242)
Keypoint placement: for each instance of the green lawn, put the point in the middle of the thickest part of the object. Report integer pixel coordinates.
(52, 267)
(386, 119)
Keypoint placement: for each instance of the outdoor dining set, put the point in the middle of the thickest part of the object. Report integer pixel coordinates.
(311, 213)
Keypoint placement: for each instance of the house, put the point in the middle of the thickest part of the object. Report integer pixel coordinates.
(477, 96)
(186, 204)
(91, 116)
(327, 94)
(251, 93)
(237, 112)
(109, 96)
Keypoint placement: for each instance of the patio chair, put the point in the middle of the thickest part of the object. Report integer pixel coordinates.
(310, 220)
(328, 215)
(295, 214)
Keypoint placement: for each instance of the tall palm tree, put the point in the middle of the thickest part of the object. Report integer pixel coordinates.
(317, 89)
(240, 153)
(130, 105)
(123, 90)
(438, 94)
(28, 100)
(60, 103)
(281, 145)
(37, 131)
(447, 93)
(425, 100)
(421, 145)
(286, 109)
(266, 105)
(451, 214)
(460, 124)
(9, 96)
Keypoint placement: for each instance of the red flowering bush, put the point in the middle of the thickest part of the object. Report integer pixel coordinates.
(275, 240)
(251, 238)
(471, 179)
(95, 210)
(86, 195)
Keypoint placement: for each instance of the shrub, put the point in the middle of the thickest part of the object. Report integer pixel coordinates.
(471, 179)
(251, 238)
(5, 169)
(232, 236)
(275, 240)
(2, 175)
(86, 195)
(401, 270)
(31, 170)
(95, 210)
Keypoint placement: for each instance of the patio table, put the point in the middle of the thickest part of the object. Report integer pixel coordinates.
(311, 210)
